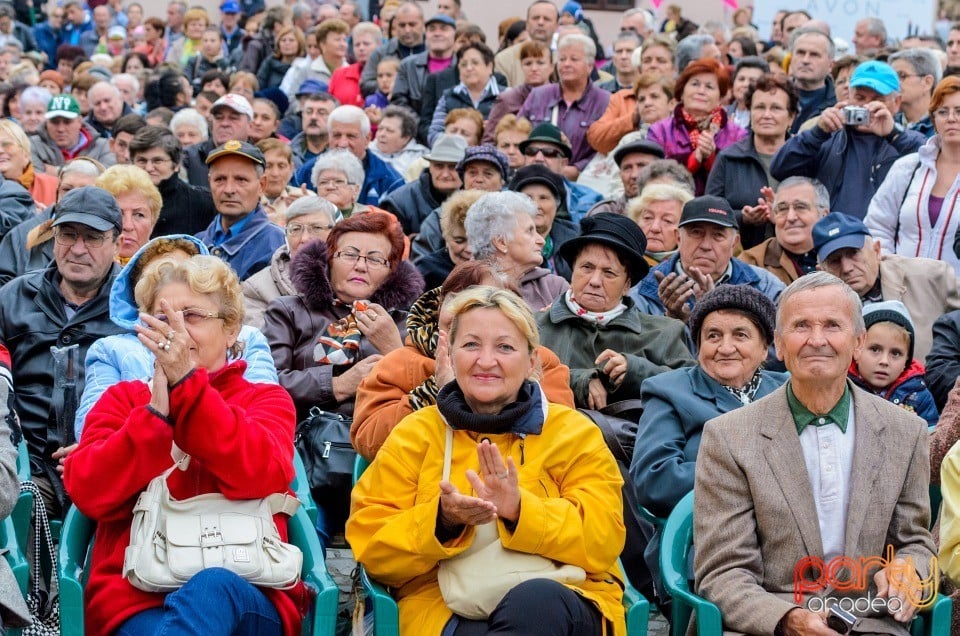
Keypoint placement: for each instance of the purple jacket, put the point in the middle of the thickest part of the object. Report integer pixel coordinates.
(573, 120)
(508, 102)
(675, 141)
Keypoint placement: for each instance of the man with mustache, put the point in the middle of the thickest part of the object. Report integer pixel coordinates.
(240, 234)
(817, 470)
(64, 305)
(789, 254)
(312, 139)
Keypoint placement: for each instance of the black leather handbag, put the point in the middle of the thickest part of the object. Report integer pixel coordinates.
(323, 441)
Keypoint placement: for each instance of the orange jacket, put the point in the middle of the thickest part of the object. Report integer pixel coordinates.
(382, 399)
(617, 121)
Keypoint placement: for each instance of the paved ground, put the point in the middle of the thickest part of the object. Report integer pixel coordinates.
(340, 563)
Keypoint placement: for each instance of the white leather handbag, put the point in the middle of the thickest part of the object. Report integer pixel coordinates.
(172, 540)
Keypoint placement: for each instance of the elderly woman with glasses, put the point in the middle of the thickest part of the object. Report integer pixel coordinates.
(338, 177)
(309, 218)
(353, 293)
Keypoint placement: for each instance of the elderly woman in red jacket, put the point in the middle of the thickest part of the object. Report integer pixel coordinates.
(238, 435)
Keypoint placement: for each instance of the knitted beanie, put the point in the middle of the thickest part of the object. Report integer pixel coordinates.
(737, 297)
(891, 311)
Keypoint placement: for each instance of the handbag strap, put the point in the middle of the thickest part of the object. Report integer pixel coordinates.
(41, 534)
(624, 406)
(447, 453)
(278, 502)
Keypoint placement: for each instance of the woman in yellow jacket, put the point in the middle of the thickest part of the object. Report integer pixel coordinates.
(535, 476)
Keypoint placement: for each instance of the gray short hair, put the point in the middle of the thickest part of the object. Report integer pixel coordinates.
(350, 115)
(339, 161)
(923, 61)
(126, 76)
(313, 204)
(35, 95)
(817, 280)
(805, 30)
(712, 26)
(190, 117)
(494, 215)
(875, 26)
(821, 196)
(105, 85)
(665, 168)
(689, 49)
(81, 165)
(578, 39)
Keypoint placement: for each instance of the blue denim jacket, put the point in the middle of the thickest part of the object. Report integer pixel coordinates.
(250, 250)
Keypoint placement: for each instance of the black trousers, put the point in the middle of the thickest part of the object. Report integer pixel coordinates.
(540, 606)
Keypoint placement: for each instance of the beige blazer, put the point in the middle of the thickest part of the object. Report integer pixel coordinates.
(755, 517)
(927, 287)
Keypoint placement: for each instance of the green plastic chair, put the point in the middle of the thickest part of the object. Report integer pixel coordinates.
(677, 541)
(14, 555)
(386, 617)
(23, 510)
(301, 487)
(76, 546)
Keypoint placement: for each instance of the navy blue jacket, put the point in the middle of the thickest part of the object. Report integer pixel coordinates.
(648, 301)
(249, 251)
(851, 164)
(908, 391)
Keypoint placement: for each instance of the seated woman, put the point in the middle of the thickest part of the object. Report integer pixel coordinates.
(189, 127)
(15, 165)
(395, 141)
(698, 128)
(122, 357)
(546, 485)
(139, 202)
(354, 292)
(536, 65)
(338, 176)
(239, 434)
(408, 379)
(437, 266)
(657, 213)
(732, 326)
(500, 227)
(277, 191)
(309, 218)
(547, 191)
(610, 346)
(637, 108)
(478, 87)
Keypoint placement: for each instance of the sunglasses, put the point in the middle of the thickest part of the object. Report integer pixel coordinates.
(546, 151)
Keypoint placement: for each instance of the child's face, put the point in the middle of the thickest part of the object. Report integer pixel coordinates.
(211, 44)
(884, 354)
(386, 74)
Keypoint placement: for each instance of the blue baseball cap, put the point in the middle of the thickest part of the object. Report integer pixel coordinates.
(837, 231)
(443, 19)
(877, 76)
(311, 86)
(230, 6)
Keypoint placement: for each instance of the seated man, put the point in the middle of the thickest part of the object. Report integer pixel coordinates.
(707, 235)
(852, 160)
(816, 471)
(64, 306)
(789, 254)
(241, 234)
(927, 287)
(632, 154)
(65, 136)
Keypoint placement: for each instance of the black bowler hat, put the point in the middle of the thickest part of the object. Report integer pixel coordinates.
(617, 232)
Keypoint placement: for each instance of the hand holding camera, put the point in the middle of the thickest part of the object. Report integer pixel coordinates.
(873, 117)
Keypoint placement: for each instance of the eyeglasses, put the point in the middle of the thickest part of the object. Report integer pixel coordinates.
(904, 76)
(331, 183)
(373, 262)
(69, 238)
(192, 316)
(943, 113)
(798, 206)
(296, 229)
(548, 152)
(142, 162)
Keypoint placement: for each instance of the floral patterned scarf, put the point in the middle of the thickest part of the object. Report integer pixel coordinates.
(694, 128)
(340, 342)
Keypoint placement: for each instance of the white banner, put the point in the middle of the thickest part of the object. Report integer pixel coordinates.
(900, 16)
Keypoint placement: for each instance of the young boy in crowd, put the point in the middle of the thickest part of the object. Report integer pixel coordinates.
(886, 366)
(386, 75)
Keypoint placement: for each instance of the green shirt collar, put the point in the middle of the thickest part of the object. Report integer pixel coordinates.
(803, 417)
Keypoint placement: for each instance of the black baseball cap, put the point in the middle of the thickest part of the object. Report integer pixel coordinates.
(709, 209)
(90, 206)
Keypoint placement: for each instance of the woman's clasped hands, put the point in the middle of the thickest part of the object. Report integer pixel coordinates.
(497, 492)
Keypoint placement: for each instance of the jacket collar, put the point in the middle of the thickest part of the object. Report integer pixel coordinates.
(629, 319)
(256, 222)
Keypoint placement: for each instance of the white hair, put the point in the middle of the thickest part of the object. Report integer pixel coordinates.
(35, 95)
(120, 77)
(190, 117)
(494, 215)
(340, 161)
(581, 40)
(105, 85)
(351, 115)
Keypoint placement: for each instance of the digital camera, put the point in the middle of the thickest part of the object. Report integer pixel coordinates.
(855, 116)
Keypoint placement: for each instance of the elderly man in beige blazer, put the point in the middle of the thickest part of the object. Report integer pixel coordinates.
(817, 470)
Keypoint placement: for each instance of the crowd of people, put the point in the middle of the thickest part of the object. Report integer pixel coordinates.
(741, 235)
